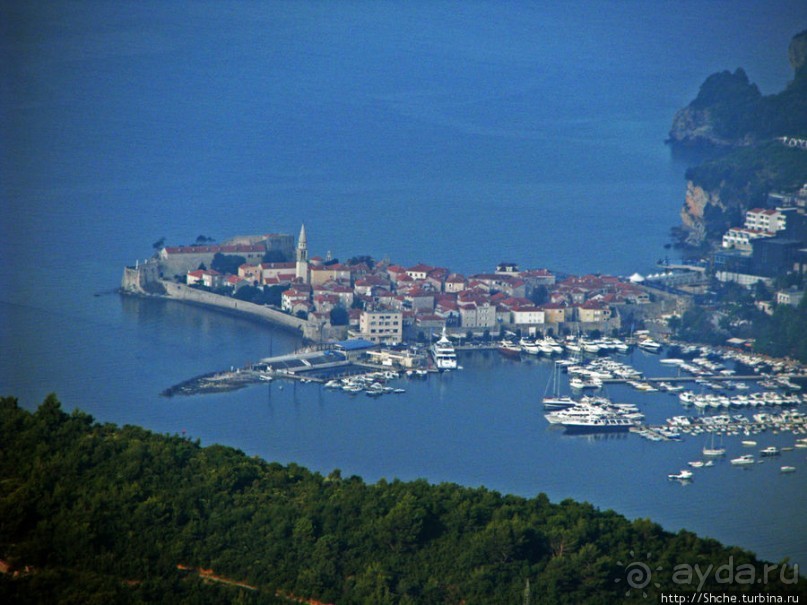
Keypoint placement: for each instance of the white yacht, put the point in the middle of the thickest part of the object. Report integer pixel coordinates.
(597, 423)
(445, 357)
(650, 345)
(529, 347)
(743, 460)
(558, 402)
(683, 475)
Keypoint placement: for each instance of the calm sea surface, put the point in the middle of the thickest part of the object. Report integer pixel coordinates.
(455, 134)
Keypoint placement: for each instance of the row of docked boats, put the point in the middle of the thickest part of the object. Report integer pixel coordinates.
(743, 400)
(791, 421)
(549, 346)
(373, 384)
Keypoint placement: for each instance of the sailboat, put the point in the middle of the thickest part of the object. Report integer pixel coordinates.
(712, 450)
(554, 401)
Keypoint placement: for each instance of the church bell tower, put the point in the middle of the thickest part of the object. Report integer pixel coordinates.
(302, 257)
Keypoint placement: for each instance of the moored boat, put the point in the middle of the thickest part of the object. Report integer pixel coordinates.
(650, 345)
(445, 357)
(509, 349)
(743, 460)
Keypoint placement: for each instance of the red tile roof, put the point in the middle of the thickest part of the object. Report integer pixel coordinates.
(213, 249)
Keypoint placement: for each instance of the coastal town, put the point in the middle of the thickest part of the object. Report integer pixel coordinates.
(366, 324)
(272, 277)
(383, 302)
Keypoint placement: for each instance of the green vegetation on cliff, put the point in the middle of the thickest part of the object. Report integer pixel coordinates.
(743, 178)
(95, 513)
(731, 113)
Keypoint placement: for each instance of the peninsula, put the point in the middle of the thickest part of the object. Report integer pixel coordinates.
(383, 302)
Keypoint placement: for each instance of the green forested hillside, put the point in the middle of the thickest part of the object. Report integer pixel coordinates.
(92, 513)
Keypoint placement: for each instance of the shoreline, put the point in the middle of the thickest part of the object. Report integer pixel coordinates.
(228, 306)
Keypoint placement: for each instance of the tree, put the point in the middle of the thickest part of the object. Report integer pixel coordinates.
(539, 295)
(158, 245)
(227, 263)
(339, 316)
(358, 260)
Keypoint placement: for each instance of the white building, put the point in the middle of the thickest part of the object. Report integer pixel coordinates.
(791, 297)
(740, 238)
(477, 315)
(765, 219)
(381, 326)
(527, 315)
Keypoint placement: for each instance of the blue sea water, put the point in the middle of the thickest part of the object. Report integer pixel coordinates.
(459, 134)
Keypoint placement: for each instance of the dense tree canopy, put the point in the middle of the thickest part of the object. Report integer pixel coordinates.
(92, 513)
(227, 263)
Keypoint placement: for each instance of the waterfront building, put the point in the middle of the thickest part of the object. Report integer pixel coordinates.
(302, 257)
(766, 219)
(381, 326)
(554, 313)
(477, 314)
(178, 260)
(741, 239)
(206, 277)
(593, 311)
(525, 315)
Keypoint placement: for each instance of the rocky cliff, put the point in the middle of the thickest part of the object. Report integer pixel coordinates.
(730, 113)
(722, 115)
(693, 212)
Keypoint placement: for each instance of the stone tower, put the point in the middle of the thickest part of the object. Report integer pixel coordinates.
(302, 257)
